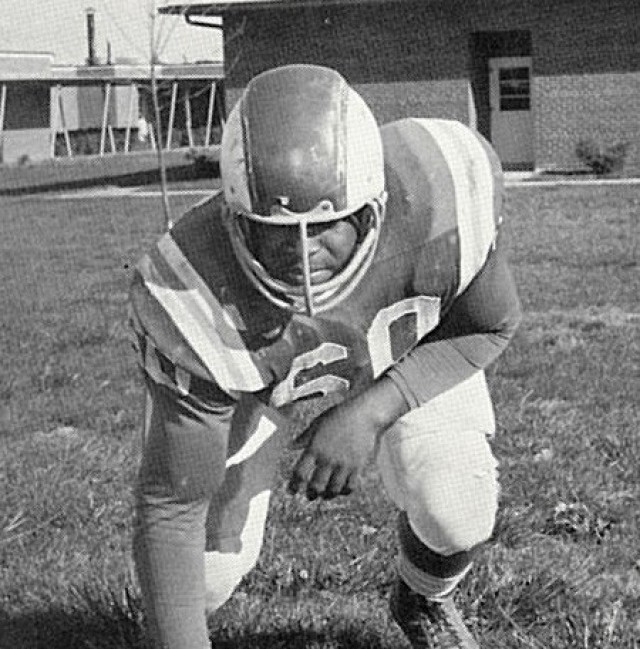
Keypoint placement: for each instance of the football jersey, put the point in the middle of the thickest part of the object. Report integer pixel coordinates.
(203, 329)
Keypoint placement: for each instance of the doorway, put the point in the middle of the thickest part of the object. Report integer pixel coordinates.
(500, 65)
(510, 103)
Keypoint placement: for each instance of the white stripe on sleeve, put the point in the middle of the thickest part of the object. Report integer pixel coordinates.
(203, 322)
(474, 188)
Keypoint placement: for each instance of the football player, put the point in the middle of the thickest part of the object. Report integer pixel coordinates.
(341, 261)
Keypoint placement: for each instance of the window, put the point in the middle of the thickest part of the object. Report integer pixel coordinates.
(514, 88)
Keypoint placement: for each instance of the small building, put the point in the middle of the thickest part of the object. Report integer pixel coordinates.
(48, 110)
(534, 76)
(25, 124)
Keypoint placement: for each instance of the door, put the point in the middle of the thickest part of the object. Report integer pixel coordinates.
(511, 118)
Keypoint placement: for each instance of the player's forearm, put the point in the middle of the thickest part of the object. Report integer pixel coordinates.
(439, 366)
(383, 403)
(475, 331)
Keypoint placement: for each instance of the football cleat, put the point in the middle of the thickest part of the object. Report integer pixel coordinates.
(429, 624)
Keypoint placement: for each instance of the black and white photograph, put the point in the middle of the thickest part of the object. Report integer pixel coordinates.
(320, 324)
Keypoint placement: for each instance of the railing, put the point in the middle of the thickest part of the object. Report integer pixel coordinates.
(139, 119)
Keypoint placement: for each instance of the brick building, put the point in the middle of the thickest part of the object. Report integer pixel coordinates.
(534, 76)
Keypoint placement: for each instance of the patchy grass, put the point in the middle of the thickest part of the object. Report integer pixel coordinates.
(121, 170)
(563, 567)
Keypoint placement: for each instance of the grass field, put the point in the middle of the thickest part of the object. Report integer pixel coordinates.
(563, 567)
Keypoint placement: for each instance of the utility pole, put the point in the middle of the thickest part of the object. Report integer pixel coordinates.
(91, 36)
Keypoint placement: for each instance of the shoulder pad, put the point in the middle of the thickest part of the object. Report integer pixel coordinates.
(448, 176)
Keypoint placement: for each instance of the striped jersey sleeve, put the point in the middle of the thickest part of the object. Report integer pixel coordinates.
(473, 183)
(451, 179)
(186, 336)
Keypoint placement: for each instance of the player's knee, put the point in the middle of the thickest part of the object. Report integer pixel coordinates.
(462, 537)
(458, 522)
(189, 489)
(178, 487)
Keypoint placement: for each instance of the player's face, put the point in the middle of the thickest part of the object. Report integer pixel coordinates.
(279, 249)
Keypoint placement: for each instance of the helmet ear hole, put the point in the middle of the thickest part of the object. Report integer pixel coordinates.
(362, 221)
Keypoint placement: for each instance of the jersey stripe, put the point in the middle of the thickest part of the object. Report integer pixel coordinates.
(473, 185)
(266, 428)
(203, 322)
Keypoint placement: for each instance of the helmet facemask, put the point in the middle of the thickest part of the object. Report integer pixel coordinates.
(308, 297)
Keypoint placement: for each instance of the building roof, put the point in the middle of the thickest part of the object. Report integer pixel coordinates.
(125, 73)
(24, 65)
(220, 8)
(40, 66)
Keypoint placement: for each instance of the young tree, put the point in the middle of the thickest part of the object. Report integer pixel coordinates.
(154, 51)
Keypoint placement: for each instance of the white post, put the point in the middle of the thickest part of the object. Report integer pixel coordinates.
(212, 99)
(152, 139)
(127, 134)
(54, 121)
(3, 108)
(187, 115)
(172, 113)
(105, 117)
(3, 105)
(63, 122)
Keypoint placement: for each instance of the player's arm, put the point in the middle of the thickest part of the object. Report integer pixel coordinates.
(182, 463)
(186, 431)
(473, 333)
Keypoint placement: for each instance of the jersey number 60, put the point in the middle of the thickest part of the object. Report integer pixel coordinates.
(426, 313)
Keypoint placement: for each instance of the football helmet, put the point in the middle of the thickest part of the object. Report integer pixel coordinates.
(300, 148)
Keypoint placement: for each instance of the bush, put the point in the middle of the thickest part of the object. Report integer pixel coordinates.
(206, 161)
(602, 160)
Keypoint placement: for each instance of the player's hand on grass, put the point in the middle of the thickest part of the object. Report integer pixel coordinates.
(338, 444)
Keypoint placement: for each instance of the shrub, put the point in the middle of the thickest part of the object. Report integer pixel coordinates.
(206, 161)
(600, 159)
